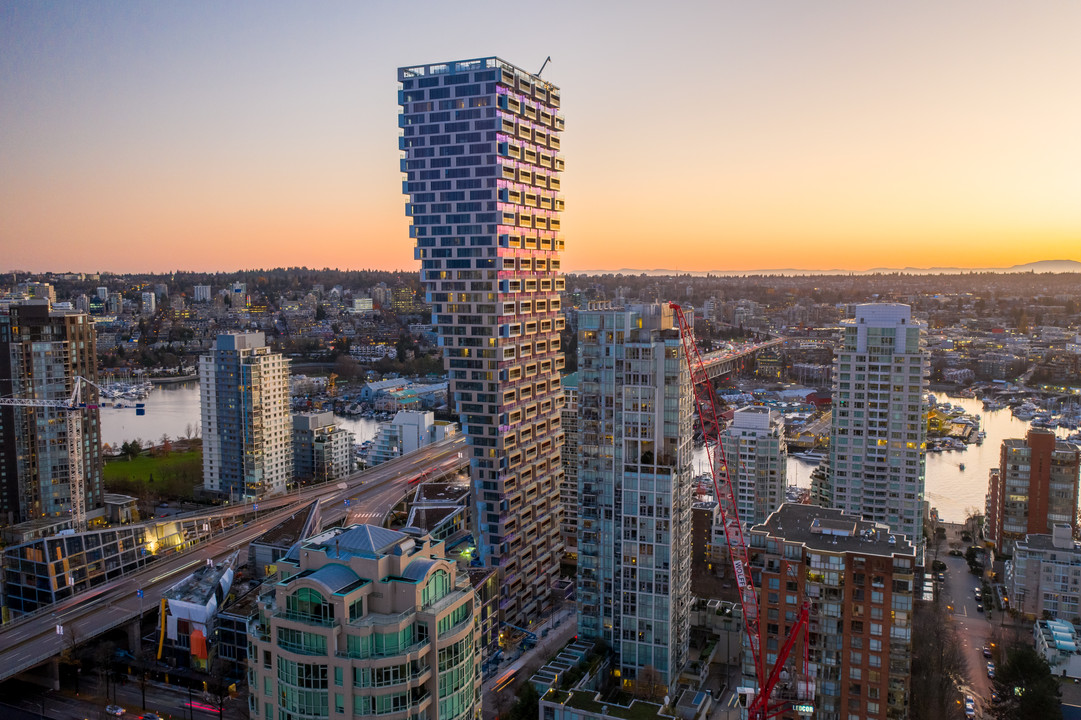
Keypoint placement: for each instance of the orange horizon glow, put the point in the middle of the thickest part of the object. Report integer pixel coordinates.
(700, 136)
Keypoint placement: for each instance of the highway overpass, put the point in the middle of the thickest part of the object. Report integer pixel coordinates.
(367, 496)
(721, 363)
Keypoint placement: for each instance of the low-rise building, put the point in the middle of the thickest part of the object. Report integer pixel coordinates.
(193, 608)
(1057, 643)
(409, 430)
(1044, 575)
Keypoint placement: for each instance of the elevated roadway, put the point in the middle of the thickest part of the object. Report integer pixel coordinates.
(721, 363)
(365, 497)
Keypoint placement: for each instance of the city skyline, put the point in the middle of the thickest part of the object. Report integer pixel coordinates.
(840, 136)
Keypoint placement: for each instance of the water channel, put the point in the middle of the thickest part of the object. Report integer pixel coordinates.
(170, 409)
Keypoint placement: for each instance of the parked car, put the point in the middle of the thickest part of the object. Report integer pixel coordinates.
(970, 706)
(979, 607)
(115, 710)
(986, 651)
(991, 670)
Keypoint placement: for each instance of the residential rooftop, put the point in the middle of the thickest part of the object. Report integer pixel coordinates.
(832, 530)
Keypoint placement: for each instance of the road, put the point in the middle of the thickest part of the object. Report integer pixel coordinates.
(168, 701)
(495, 704)
(26, 644)
(973, 627)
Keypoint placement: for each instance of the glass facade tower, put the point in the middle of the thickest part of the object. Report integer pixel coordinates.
(480, 141)
(634, 484)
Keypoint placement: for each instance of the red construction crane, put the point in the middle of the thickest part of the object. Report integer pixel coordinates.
(761, 706)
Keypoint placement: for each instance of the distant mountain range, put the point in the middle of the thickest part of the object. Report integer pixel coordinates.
(1041, 266)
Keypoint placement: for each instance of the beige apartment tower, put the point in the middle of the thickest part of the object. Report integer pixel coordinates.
(367, 622)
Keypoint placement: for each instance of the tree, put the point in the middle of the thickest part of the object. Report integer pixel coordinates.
(166, 445)
(218, 684)
(937, 658)
(71, 653)
(1026, 686)
(527, 706)
(647, 683)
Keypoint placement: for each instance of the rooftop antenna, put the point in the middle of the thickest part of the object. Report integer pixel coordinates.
(546, 61)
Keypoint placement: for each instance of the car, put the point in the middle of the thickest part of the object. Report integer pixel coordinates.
(979, 607)
(995, 697)
(942, 577)
(978, 595)
(115, 710)
(986, 651)
(957, 553)
(970, 706)
(991, 670)
(151, 716)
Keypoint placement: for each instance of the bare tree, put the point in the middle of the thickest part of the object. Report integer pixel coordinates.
(218, 684)
(938, 663)
(647, 682)
(71, 653)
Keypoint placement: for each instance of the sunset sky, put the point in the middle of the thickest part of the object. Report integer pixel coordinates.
(153, 136)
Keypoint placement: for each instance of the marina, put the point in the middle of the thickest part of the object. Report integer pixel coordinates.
(170, 409)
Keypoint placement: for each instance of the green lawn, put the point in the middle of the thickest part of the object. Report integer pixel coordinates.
(173, 476)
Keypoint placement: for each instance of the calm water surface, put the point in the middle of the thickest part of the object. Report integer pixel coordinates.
(949, 488)
(171, 408)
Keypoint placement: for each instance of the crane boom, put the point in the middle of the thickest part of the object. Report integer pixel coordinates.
(706, 408)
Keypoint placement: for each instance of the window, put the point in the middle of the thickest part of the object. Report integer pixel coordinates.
(302, 642)
(356, 609)
(308, 605)
(436, 588)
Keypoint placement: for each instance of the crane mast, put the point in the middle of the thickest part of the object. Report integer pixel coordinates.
(760, 707)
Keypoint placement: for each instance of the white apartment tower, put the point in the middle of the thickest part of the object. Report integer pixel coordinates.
(635, 490)
(480, 141)
(878, 433)
(757, 457)
(247, 422)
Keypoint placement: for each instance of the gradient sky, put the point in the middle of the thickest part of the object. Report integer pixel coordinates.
(152, 136)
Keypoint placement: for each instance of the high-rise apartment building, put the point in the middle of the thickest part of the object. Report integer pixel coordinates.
(634, 483)
(858, 578)
(482, 172)
(568, 489)
(878, 432)
(369, 622)
(247, 422)
(757, 457)
(42, 352)
(1034, 487)
(202, 293)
